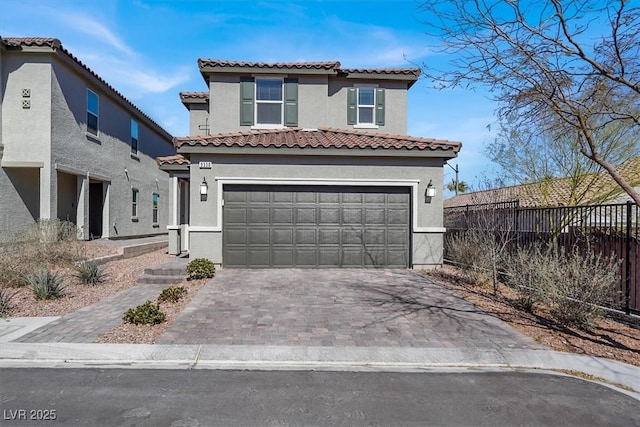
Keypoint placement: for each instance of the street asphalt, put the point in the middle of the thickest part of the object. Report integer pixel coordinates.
(116, 397)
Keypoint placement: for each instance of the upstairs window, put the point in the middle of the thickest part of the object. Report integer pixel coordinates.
(269, 102)
(134, 137)
(365, 106)
(93, 112)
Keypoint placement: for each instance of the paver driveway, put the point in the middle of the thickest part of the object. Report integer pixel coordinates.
(336, 307)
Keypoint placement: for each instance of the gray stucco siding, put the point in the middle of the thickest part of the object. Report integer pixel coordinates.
(379, 171)
(26, 132)
(395, 105)
(19, 202)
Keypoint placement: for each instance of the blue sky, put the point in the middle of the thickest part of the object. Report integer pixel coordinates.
(148, 50)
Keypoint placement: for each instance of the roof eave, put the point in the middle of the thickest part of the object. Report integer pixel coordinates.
(185, 148)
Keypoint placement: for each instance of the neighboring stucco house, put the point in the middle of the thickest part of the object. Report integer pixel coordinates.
(73, 148)
(306, 165)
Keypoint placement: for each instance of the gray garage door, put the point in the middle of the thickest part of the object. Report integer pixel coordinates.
(304, 226)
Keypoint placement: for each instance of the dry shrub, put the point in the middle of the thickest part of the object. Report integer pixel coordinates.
(470, 252)
(574, 285)
(47, 244)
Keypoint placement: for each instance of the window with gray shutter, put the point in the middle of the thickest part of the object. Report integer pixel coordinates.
(291, 102)
(246, 101)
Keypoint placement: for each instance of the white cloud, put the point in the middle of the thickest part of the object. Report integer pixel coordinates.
(85, 24)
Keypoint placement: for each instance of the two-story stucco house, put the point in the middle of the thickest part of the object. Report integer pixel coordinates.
(73, 148)
(306, 165)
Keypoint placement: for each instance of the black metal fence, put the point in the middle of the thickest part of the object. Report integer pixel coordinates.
(610, 230)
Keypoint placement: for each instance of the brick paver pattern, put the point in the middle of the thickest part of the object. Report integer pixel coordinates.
(336, 307)
(88, 323)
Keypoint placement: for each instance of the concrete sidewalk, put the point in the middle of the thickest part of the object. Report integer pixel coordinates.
(622, 376)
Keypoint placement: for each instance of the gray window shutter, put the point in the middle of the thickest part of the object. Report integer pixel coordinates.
(380, 107)
(246, 101)
(352, 105)
(291, 102)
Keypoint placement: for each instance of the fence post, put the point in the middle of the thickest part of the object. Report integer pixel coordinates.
(627, 273)
(516, 225)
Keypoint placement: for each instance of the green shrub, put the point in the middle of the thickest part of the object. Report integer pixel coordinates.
(6, 295)
(90, 273)
(201, 268)
(46, 284)
(145, 314)
(172, 294)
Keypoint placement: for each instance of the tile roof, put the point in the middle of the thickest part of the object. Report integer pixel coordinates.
(328, 65)
(176, 159)
(55, 44)
(194, 95)
(397, 71)
(323, 66)
(319, 139)
(589, 189)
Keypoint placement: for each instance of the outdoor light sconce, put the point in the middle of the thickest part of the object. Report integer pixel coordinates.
(204, 187)
(429, 192)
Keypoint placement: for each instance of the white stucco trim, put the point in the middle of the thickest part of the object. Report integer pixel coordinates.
(12, 164)
(413, 183)
(174, 202)
(75, 171)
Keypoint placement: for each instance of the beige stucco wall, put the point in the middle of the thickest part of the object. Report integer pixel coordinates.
(427, 246)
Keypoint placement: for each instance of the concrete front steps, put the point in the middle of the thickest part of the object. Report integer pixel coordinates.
(168, 273)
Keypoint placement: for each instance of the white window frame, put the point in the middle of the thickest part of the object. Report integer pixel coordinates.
(367, 125)
(96, 114)
(137, 132)
(135, 198)
(256, 101)
(155, 208)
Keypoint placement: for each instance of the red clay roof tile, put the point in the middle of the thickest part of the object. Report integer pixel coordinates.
(317, 138)
(176, 159)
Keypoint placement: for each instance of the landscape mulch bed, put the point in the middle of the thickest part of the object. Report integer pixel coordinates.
(616, 336)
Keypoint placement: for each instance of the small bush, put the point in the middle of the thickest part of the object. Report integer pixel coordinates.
(469, 252)
(201, 268)
(46, 284)
(172, 294)
(532, 275)
(6, 295)
(585, 283)
(145, 314)
(90, 273)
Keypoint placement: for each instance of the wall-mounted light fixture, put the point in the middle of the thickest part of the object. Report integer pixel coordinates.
(429, 192)
(204, 187)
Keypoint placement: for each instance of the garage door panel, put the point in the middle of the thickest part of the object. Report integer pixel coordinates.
(352, 257)
(306, 237)
(329, 216)
(259, 236)
(327, 197)
(259, 257)
(352, 216)
(352, 198)
(306, 257)
(282, 236)
(329, 236)
(282, 215)
(236, 216)
(315, 226)
(306, 216)
(306, 197)
(236, 236)
(258, 216)
(375, 216)
(282, 197)
(282, 257)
